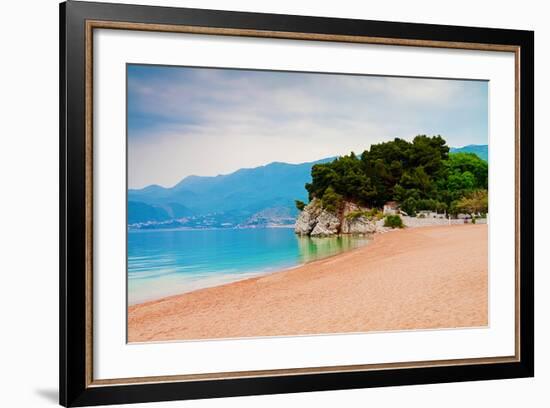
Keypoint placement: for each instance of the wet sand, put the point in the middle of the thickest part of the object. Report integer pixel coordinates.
(417, 278)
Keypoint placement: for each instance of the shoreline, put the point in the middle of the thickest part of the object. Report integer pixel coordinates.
(417, 279)
(261, 274)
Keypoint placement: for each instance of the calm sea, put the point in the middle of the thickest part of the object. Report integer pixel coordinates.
(168, 262)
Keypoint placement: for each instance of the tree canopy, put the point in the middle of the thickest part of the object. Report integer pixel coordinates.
(420, 175)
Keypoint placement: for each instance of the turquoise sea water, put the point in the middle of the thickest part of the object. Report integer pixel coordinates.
(168, 262)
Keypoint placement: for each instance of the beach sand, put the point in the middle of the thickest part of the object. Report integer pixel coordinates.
(417, 278)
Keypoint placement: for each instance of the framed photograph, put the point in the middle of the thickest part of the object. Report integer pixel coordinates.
(256, 203)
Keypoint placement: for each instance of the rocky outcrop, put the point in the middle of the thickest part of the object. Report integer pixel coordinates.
(355, 222)
(307, 220)
(359, 225)
(327, 224)
(318, 222)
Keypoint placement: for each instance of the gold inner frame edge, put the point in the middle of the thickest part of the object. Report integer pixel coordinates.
(100, 24)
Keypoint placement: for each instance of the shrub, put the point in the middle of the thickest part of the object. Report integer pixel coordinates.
(393, 221)
(353, 215)
(331, 200)
(473, 203)
(372, 214)
(410, 206)
(300, 205)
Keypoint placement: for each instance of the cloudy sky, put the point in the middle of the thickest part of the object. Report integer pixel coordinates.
(202, 121)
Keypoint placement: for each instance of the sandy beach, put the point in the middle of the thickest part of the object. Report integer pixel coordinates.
(416, 278)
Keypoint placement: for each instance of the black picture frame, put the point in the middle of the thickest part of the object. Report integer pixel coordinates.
(75, 387)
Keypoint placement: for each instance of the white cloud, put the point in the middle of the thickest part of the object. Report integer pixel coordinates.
(211, 122)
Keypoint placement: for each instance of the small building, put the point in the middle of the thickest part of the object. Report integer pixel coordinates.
(391, 208)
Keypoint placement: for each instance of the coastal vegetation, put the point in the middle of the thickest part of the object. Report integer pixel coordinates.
(476, 202)
(372, 214)
(300, 205)
(418, 175)
(393, 221)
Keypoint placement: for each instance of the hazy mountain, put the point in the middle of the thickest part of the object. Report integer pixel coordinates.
(141, 212)
(482, 151)
(243, 197)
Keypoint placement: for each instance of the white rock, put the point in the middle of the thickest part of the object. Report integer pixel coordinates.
(358, 225)
(327, 224)
(315, 221)
(306, 221)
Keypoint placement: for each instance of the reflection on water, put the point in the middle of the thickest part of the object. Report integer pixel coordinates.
(168, 262)
(311, 249)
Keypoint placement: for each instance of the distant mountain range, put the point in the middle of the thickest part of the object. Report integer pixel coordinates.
(482, 151)
(256, 197)
(259, 196)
